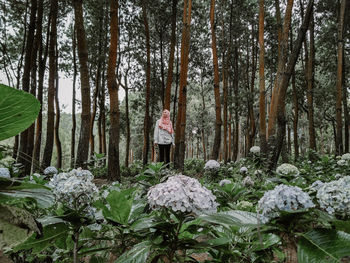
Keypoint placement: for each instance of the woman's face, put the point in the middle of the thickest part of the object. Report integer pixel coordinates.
(166, 113)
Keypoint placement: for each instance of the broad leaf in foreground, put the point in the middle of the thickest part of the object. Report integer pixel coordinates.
(18, 110)
(323, 245)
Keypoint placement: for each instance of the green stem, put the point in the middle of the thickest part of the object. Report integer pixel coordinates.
(76, 244)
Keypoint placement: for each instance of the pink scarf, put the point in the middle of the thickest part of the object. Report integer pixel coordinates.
(165, 123)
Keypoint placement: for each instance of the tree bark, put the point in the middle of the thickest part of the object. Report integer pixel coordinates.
(58, 116)
(113, 148)
(83, 145)
(180, 135)
(146, 123)
(42, 57)
(284, 85)
(51, 90)
(74, 122)
(262, 106)
(218, 121)
(282, 58)
(24, 156)
(339, 82)
(169, 79)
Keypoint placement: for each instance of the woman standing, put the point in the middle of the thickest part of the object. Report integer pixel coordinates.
(164, 136)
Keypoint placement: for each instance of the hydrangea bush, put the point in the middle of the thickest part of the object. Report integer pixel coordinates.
(75, 189)
(282, 198)
(50, 170)
(255, 150)
(243, 170)
(4, 172)
(346, 156)
(212, 165)
(287, 169)
(334, 197)
(182, 193)
(342, 162)
(224, 181)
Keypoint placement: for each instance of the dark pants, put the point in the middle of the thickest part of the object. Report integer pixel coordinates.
(164, 153)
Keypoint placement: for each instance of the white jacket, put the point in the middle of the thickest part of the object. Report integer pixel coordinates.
(162, 136)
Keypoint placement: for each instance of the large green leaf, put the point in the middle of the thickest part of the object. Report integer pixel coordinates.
(323, 245)
(18, 110)
(233, 217)
(17, 189)
(16, 225)
(51, 233)
(138, 254)
(123, 208)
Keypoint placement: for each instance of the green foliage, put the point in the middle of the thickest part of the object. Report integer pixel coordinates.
(193, 167)
(18, 110)
(323, 245)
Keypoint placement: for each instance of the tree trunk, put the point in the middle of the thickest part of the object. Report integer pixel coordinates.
(338, 107)
(262, 111)
(146, 124)
(42, 66)
(346, 110)
(83, 145)
(74, 122)
(127, 146)
(180, 136)
(283, 88)
(50, 126)
(218, 121)
(169, 79)
(58, 115)
(113, 148)
(29, 59)
(282, 58)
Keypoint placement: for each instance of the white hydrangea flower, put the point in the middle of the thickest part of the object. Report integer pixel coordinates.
(224, 181)
(50, 170)
(244, 204)
(255, 150)
(75, 189)
(346, 156)
(4, 172)
(334, 197)
(316, 185)
(7, 161)
(337, 176)
(247, 181)
(282, 198)
(243, 170)
(182, 193)
(212, 165)
(287, 169)
(342, 162)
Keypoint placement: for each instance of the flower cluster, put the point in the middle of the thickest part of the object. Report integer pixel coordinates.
(75, 189)
(182, 193)
(244, 204)
(334, 197)
(316, 186)
(287, 169)
(7, 161)
(255, 150)
(346, 157)
(243, 170)
(247, 181)
(51, 170)
(4, 172)
(342, 162)
(224, 181)
(282, 198)
(212, 165)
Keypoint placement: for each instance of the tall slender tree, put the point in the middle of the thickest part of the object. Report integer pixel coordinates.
(51, 90)
(218, 121)
(339, 82)
(262, 107)
(146, 123)
(113, 147)
(180, 136)
(83, 145)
